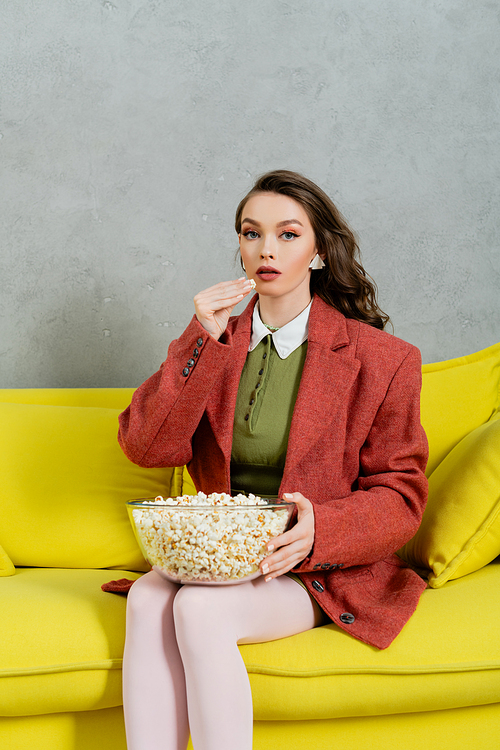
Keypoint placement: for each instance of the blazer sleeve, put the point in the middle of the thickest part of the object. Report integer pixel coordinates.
(385, 509)
(158, 426)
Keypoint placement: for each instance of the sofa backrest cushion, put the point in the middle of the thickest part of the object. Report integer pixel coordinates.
(458, 396)
(106, 398)
(460, 529)
(64, 484)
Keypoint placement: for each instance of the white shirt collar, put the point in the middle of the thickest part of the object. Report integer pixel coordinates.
(286, 339)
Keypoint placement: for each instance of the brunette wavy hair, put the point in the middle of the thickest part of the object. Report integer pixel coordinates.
(343, 283)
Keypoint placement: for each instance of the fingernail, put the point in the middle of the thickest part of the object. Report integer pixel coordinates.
(270, 547)
(269, 578)
(287, 494)
(265, 568)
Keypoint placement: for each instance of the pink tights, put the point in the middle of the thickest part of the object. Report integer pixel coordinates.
(182, 670)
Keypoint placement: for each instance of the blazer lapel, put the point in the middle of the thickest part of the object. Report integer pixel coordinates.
(329, 373)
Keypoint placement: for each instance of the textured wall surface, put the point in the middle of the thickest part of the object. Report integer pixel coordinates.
(130, 129)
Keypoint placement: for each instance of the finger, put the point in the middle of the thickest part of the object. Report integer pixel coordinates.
(280, 572)
(291, 553)
(212, 302)
(287, 538)
(299, 542)
(221, 285)
(303, 528)
(287, 564)
(224, 288)
(298, 498)
(221, 304)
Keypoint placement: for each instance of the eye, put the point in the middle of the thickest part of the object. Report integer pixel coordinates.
(289, 235)
(250, 234)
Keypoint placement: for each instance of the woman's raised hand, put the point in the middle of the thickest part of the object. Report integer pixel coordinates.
(214, 305)
(295, 544)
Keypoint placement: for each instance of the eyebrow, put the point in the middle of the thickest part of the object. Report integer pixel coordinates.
(279, 224)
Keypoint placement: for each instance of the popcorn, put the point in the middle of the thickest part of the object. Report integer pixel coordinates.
(252, 283)
(220, 539)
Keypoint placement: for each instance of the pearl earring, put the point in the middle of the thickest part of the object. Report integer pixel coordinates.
(316, 263)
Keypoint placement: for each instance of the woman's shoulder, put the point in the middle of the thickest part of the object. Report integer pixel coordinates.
(335, 329)
(382, 348)
(369, 336)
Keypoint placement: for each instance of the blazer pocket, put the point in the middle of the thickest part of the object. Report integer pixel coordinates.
(354, 574)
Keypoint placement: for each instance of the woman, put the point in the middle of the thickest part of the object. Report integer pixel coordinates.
(302, 396)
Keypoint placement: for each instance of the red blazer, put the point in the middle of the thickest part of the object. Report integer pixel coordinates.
(356, 450)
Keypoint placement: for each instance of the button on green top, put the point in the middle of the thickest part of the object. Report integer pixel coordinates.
(263, 417)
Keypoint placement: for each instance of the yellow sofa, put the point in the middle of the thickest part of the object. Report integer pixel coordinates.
(64, 531)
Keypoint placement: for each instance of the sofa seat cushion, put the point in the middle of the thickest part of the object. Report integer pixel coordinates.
(446, 656)
(62, 641)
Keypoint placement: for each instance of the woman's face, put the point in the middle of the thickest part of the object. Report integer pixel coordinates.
(277, 244)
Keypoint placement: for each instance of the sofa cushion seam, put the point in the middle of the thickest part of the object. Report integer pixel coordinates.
(103, 664)
(377, 669)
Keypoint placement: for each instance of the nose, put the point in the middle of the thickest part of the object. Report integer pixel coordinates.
(267, 250)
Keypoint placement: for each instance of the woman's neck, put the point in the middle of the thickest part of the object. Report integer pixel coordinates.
(277, 311)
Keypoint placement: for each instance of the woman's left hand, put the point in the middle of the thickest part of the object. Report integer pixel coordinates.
(295, 544)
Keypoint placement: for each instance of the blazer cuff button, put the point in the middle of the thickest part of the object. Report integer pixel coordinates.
(199, 342)
(186, 371)
(318, 586)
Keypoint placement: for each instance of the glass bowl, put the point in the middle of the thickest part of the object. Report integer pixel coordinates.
(207, 544)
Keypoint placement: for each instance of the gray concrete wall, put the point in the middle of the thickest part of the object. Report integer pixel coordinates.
(131, 128)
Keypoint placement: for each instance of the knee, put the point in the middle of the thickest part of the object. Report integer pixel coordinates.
(198, 622)
(201, 613)
(204, 615)
(192, 607)
(149, 593)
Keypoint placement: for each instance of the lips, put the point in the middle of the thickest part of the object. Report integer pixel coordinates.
(267, 273)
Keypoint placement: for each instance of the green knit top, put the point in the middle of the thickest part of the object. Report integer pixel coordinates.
(266, 398)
